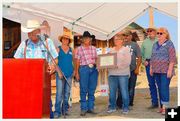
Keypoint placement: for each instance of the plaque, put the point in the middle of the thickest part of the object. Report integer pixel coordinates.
(107, 61)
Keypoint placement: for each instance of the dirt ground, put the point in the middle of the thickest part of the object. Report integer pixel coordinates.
(138, 111)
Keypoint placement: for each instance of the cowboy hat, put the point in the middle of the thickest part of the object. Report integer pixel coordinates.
(127, 32)
(31, 25)
(87, 34)
(151, 28)
(65, 35)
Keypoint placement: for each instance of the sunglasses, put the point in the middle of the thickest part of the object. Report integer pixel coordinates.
(125, 35)
(159, 33)
(149, 31)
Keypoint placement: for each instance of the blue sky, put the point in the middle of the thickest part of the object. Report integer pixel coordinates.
(161, 20)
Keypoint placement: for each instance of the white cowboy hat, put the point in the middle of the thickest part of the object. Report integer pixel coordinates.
(31, 25)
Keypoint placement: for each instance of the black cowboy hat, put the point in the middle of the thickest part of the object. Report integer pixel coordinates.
(87, 34)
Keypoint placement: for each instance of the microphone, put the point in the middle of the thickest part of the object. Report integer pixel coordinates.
(46, 36)
(42, 37)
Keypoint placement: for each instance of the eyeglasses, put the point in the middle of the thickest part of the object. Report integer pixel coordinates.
(160, 33)
(119, 39)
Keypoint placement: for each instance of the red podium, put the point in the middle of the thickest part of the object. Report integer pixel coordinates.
(26, 88)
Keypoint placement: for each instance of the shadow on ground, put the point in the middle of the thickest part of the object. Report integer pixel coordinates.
(139, 110)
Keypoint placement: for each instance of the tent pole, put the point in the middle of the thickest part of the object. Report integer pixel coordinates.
(151, 17)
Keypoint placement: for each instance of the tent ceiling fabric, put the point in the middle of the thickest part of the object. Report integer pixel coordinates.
(169, 8)
(103, 20)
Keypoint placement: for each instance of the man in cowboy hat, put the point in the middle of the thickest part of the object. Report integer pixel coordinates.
(33, 47)
(87, 73)
(146, 50)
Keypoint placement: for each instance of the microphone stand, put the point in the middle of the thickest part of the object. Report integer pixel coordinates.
(58, 70)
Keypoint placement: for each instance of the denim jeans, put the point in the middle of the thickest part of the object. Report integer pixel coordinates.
(88, 83)
(122, 83)
(60, 85)
(51, 112)
(163, 85)
(132, 85)
(152, 86)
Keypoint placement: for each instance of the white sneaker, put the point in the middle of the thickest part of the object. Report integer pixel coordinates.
(125, 112)
(111, 110)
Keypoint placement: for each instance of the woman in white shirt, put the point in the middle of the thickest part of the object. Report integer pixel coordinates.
(118, 77)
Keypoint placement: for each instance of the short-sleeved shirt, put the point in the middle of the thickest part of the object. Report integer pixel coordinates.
(86, 55)
(162, 55)
(146, 48)
(36, 50)
(135, 53)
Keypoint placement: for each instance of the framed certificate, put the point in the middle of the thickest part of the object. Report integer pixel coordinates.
(107, 61)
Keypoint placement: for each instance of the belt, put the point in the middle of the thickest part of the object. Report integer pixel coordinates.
(89, 65)
(148, 59)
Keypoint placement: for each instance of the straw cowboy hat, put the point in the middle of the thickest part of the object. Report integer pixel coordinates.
(31, 25)
(151, 28)
(67, 35)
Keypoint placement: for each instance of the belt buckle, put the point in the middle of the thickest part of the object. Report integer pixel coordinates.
(91, 65)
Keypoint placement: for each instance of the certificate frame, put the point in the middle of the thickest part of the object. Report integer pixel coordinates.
(107, 61)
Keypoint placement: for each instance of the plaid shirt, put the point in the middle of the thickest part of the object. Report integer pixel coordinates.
(36, 50)
(162, 55)
(86, 55)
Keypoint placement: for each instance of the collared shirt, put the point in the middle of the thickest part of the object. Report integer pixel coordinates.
(162, 55)
(86, 55)
(146, 48)
(36, 50)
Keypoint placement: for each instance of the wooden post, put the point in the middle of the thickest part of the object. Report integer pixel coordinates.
(151, 17)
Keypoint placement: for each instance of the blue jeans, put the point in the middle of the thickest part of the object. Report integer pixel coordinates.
(88, 83)
(152, 86)
(132, 85)
(60, 85)
(122, 83)
(163, 85)
(51, 112)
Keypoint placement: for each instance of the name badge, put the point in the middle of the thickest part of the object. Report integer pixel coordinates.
(70, 53)
(164, 44)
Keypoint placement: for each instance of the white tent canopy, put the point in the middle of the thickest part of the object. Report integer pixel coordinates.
(103, 20)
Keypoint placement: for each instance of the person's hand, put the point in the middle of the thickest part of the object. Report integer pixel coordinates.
(151, 72)
(51, 69)
(77, 76)
(169, 73)
(74, 73)
(146, 63)
(136, 71)
(60, 75)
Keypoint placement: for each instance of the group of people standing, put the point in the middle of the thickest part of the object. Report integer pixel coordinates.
(157, 54)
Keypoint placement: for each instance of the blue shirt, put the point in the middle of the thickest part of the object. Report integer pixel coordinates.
(36, 50)
(65, 62)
